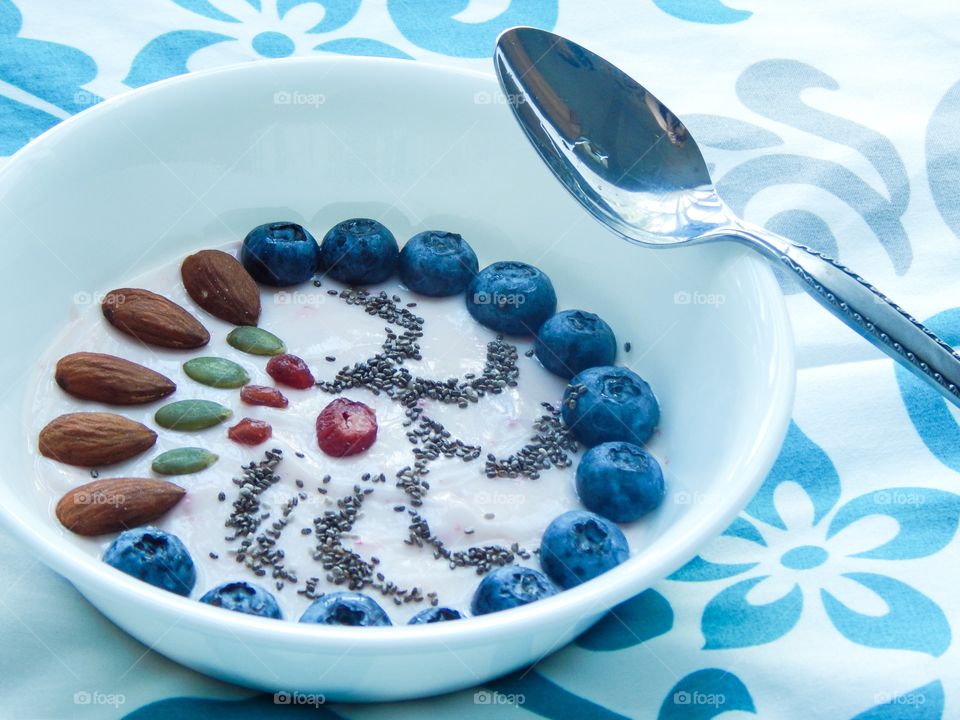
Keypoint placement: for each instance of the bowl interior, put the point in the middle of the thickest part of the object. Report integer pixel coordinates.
(188, 164)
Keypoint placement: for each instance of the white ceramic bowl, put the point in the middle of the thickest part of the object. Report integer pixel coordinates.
(161, 172)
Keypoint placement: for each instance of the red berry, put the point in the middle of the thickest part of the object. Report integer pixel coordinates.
(262, 395)
(250, 432)
(345, 427)
(291, 371)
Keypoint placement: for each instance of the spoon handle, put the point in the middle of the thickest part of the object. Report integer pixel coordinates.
(864, 308)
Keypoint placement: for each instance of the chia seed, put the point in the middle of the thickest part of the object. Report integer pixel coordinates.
(550, 446)
(258, 550)
(385, 373)
(310, 589)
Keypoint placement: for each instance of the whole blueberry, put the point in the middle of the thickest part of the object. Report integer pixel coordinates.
(154, 556)
(511, 297)
(345, 608)
(607, 403)
(578, 546)
(437, 264)
(620, 481)
(508, 587)
(243, 597)
(574, 340)
(434, 615)
(359, 252)
(280, 254)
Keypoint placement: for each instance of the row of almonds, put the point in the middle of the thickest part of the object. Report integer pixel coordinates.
(219, 284)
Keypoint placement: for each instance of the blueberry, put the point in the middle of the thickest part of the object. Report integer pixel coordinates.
(359, 252)
(437, 263)
(578, 546)
(620, 481)
(611, 403)
(345, 608)
(280, 254)
(154, 556)
(511, 297)
(574, 340)
(243, 597)
(434, 615)
(509, 587)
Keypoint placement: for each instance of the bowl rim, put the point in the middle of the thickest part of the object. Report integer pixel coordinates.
(569, 606)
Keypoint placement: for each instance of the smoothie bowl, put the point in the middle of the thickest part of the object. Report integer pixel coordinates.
(365, 416)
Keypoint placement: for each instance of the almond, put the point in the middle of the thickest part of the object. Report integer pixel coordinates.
(94, 439)
(112, 380)
(106, 506)
(219, 284)
(153, 319)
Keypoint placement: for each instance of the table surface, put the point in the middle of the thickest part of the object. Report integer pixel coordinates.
(834, 594)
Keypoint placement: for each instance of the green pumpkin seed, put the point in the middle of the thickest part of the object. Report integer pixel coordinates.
(191, 415)
(183, 461)
(216, 372)
(256, 341)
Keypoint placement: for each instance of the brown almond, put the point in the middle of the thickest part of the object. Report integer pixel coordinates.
(153, 319)
(111, 505)
(94, 439)
(110, 379)
(219, 284)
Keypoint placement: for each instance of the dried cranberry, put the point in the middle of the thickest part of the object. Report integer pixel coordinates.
(250, 432)
(263, 395)
(291, 371)
(345, 427)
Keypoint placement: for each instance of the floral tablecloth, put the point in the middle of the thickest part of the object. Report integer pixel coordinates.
(835, 593)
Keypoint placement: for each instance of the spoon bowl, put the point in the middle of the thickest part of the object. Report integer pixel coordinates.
(616, 147)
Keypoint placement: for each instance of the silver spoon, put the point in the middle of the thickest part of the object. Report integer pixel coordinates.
(633, 165)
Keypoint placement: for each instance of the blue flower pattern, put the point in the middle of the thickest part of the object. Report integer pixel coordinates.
(431, 26)
(49, 96)
(168, 54)
(711, 12)
(773, 564)
(776, 559)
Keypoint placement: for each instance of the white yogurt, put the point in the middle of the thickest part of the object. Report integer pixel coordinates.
(314, 325)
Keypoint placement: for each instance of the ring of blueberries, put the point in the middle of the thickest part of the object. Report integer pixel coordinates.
(609, 409)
